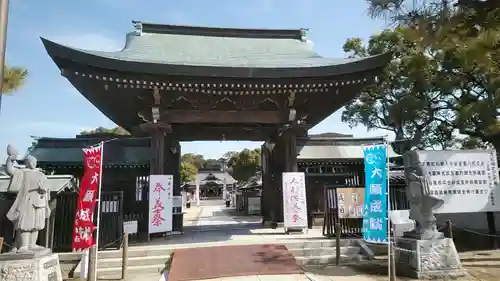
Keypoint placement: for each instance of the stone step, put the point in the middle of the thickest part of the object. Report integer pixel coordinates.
(135, 252)
(116, 272)
(134, 261)
(311, 252)
(327, 259)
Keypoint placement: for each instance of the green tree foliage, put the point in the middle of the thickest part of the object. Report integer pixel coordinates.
(101, 130)
(196, 160)
(245, 164)
(212, 164)
(443, 79)
(403, 99)
(228, 155)
(410, 12)
(200, 162)
(188, 172)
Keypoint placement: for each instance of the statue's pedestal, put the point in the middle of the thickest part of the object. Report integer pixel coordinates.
(428, 259)
(37, 266)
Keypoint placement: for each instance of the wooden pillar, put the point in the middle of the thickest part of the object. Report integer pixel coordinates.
(157, 131)
(290, 139)
(172, 162)
(157, 165)
(172, 167)
(177, 169)
(284, 160)
(267, 182)
(279, 161)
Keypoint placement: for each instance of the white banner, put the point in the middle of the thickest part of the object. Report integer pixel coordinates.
(466, 180)
(160, 203)
(294, 200)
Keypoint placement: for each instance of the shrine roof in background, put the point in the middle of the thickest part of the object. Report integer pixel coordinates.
(54, 183)
(67, 152)
(204, 177)
(316, 148)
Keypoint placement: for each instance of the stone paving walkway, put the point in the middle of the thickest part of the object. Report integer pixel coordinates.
(292, 277)
(212, 225)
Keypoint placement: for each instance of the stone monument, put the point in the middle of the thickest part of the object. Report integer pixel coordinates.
(28, 261)
(424, 252)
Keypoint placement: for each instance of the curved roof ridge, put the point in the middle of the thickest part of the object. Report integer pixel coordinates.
(298, 34)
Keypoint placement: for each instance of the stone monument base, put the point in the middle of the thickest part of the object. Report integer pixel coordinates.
(35, 266)
(428, 259)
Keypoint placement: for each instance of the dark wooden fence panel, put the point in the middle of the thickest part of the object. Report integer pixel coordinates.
(111, 220)
(64, 221)
(6, 227)
(353, 227)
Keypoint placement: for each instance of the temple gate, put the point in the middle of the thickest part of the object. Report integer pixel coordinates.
(184, 83)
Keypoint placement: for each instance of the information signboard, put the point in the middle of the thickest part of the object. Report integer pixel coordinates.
(466, 180)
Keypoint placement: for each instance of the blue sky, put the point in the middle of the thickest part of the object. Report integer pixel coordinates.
(49, 106)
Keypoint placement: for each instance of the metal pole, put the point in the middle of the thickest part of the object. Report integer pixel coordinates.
(337, 243)
(390, 242)
(4, 19)
(92, 272)
(125, 256)
(93, 263)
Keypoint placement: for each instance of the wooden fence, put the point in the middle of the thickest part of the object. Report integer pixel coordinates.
(352, 227)
(59, 229)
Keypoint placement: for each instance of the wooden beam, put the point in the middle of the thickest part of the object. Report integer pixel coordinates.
(208, 132)
(223, 117)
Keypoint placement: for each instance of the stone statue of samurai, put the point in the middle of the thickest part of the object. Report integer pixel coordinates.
(422, 202)
(31, 206)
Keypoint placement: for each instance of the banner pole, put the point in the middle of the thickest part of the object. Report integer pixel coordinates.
(98, 212)
(387, 175)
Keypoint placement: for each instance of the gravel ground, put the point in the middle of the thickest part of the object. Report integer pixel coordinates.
(481, 266)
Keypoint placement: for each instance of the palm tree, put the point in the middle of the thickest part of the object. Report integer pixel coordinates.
(13, 79)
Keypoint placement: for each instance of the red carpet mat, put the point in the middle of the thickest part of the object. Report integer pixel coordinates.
(227, 261)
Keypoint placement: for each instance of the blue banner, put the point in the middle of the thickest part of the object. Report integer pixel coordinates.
(375, 206)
